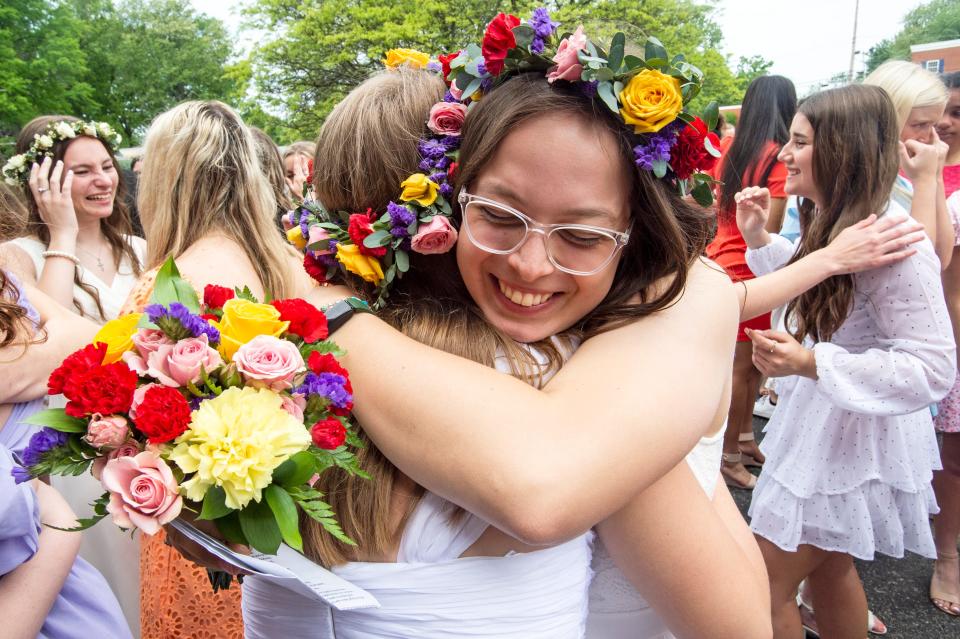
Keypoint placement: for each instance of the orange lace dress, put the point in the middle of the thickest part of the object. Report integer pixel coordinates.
(176, 599)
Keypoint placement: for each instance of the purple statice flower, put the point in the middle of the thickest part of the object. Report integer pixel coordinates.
(588, 89)
(42, 441)
(438, 177)
(448, 97)
(20, 474)
(400, 218)
(178, 322)
(481, 68)
(434, 66)
(656, 146)
(446, 190)
(405, 245)
(329, 385)
(543, 28)
(432, 148)
(486, 84)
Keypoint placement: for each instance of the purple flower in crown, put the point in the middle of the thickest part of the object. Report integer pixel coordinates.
(400, 218)
(434, 66)
(543, 28)
(656, 147)
(588, 89)
(446, 190)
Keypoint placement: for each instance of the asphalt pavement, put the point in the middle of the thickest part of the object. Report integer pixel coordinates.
(896, 589)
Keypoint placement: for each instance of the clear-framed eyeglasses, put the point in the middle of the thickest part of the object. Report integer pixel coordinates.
(578, 249)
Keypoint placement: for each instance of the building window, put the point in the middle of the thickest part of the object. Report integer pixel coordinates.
(932, 65)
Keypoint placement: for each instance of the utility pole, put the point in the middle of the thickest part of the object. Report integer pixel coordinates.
(853, 41)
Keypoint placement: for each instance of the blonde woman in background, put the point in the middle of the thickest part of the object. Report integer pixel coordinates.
(272, 164)
(296, 166)
(204, 201)
(919, 98)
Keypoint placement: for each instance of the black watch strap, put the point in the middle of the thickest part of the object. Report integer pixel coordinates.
(339, 312)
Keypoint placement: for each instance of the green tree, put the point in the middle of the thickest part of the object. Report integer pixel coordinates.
(45, 68)
(316, 51)
(932, 22)
(750, 68)
(146, 56)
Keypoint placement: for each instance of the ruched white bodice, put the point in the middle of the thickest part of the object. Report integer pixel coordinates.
(430, 592)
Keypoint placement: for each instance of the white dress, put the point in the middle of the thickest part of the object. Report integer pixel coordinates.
(850, 455)
(433, 593)
(111, 551)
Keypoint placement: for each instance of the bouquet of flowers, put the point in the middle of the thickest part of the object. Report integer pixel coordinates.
(230, 409)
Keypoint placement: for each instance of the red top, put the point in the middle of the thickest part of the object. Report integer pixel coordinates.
(728, 248)
(951, 179)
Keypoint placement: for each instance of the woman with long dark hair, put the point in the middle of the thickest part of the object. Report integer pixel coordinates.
(749, 159)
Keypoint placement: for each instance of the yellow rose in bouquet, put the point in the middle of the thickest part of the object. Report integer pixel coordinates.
(118, 334)
(243, 320)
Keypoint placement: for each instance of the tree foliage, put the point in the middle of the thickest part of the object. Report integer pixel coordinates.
(317, 50)
(932, 22)
(123, 62)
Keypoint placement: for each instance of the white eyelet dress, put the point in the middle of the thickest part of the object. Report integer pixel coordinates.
(850, 455)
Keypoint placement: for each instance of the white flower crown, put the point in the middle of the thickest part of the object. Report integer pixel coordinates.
(17, 169)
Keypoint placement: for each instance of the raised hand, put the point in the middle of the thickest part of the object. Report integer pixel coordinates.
(920, 160)
(51, 192)
(753, 209)
(872, 243)
(301, 170)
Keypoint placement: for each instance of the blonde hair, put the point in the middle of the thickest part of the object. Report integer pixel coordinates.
(301, 147)
(909, 86)
(201, 176)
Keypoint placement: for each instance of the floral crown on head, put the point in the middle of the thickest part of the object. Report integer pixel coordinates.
(376, 246)
(17, 169)
(649, 93)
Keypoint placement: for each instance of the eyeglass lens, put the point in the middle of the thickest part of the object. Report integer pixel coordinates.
(498, 229)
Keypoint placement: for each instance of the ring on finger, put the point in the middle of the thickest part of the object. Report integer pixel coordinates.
(773, 348)
(42, 189)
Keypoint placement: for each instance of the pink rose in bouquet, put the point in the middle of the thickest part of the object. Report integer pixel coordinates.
(148, 340)
(568, 64)
(128, 448)
(437, 236)
(269, 362)
(143, 492)
(294, 404)
(446, 118)
(318, 234)
(179, 364)
(107, 432)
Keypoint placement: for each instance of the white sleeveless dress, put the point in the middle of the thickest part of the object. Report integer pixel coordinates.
(111, 551)
(433, 593)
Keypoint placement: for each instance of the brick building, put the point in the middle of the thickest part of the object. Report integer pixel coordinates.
(939, 57)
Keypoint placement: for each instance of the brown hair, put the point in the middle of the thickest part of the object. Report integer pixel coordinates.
(269, 156)
(855, 162)
(367, 146)
(14, 323)
(201, 176)
(114, 227)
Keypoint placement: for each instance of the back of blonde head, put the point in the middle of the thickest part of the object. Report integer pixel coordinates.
(201, 177)
(909, 86)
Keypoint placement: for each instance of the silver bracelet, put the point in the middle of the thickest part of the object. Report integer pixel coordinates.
(67, 256)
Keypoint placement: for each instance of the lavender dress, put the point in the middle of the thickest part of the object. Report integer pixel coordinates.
(85, 607)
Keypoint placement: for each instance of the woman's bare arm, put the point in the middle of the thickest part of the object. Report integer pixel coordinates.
(547, 465)
(677, 547)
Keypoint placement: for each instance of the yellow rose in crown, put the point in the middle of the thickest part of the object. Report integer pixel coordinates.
(243, 320)
(365, 266)
(650, 101)
(295, 237)
(118, 334)
(420, 188)
(406, 57)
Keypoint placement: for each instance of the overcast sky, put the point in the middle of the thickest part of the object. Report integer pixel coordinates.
(808, 40)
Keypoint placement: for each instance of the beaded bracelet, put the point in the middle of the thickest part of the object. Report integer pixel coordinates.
(67, 256)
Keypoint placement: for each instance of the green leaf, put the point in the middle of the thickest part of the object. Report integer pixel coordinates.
(702, 194)
(285, 511)
(653, 50)
(99, 509)
(605, 91)
(603, 74)
(390, 274)
(229, 526)
(711, 115)
(214, 504)
(659, 168)
(631, 62)
(169, 287)
(246, 294)
(616, 52)
(523, 34)
(712, 150)
(472, 88)
(295, 471)
(377, 238)
(260, 527)
(309, 501)
(57, 419)
(403, 261)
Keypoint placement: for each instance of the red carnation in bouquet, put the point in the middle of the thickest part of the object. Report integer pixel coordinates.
(314, 268)
(305, 319)
(497, 41)
(163, 415)
(214, 297)
(359, 228)
(104, 389)
(690, 154)
(445, 60)
(328, 434)
(88, 357)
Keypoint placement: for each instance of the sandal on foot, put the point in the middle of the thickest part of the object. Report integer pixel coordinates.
(748, 459)
(809, 621)
(733, 459)
(944, 599)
